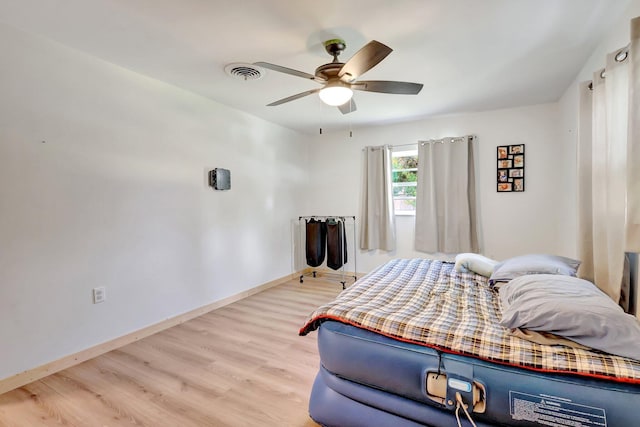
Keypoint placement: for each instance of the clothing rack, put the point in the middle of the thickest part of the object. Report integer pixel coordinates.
(351, 220)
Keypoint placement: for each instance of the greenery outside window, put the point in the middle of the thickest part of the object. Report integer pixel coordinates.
(404, 170)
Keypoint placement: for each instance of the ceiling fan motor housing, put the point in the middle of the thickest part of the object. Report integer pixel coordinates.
(328, 71)
(334, 47)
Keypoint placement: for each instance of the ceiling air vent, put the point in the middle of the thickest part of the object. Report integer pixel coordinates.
(244, 71)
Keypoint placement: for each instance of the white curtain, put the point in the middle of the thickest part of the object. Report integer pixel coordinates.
(609, 181)
(445, 199)
(633, 172)
(377, 230)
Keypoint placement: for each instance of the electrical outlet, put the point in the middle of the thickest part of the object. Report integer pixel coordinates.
(99, 295)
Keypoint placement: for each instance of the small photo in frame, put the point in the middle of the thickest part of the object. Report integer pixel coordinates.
(510, 168)
(518, 184)
(518, 161)
(506, 186)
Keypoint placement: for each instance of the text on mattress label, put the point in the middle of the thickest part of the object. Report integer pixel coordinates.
(554, 412)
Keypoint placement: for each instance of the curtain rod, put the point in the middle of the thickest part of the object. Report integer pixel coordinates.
(472, 137)
(441, 140)
(403, 145)
(343, 217)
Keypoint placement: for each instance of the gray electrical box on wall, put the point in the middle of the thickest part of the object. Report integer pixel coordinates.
(220, 179)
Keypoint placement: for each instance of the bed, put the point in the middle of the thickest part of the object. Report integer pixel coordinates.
(416, 342)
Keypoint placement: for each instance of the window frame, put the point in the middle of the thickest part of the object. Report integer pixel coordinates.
(411, 152)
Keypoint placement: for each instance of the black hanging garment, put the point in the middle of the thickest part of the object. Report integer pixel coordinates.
(336, 244)
(316, 242)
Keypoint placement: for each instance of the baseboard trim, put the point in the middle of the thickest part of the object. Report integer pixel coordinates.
(58, 365)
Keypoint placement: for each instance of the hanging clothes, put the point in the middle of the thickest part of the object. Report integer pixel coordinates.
(316, 232)
(336, 244)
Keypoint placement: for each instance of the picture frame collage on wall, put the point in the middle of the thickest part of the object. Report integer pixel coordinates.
(510, 170)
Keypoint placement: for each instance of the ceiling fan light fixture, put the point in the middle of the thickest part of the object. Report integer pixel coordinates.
(335, 95)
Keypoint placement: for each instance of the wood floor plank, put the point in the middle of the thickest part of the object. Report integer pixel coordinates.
(240, 365)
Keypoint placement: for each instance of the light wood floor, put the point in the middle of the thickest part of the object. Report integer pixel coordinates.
(240, 365)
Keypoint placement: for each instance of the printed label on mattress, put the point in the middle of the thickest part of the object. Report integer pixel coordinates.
(554, 411)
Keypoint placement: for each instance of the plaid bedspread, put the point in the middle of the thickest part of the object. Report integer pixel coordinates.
(427, 302)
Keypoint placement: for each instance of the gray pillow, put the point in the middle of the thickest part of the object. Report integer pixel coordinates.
(533, 264)
(572, 308)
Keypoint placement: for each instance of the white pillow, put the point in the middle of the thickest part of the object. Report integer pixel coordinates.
(475, 263)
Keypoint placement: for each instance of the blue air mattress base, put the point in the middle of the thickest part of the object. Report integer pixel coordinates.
(367, 379)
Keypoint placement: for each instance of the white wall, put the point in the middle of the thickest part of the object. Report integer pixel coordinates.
(511, 223)
(117, 197)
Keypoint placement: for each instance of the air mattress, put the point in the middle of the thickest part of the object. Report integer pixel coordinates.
(368, 379)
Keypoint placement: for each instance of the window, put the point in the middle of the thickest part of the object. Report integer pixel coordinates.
(404, 170)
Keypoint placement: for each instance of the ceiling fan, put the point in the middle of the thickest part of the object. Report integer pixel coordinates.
(340, 79)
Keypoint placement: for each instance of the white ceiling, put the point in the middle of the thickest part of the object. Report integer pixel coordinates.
(471, 55)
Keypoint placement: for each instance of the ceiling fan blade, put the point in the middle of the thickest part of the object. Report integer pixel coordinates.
(293, 97)
(364, 60)
(289, 71)
(347, 107)
(383, 86)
